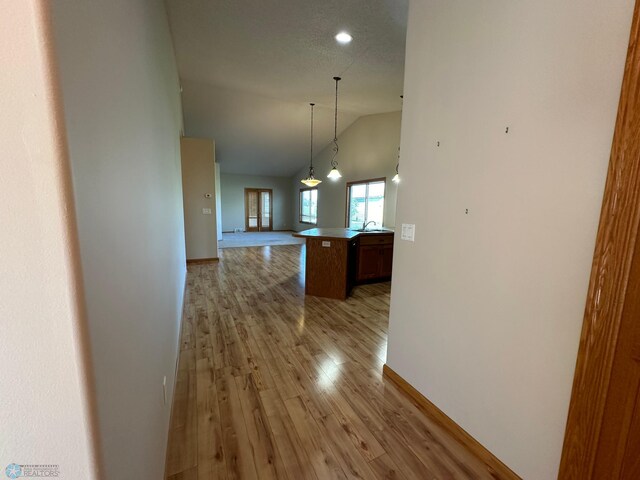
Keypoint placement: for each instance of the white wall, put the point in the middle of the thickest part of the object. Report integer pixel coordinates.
(487, 307)
(232, 193)
(46, 408)
(368, 149)
(123, 116)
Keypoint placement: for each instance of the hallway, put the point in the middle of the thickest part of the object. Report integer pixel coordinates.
(273, 385)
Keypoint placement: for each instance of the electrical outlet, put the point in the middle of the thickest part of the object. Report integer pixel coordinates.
(164, 389)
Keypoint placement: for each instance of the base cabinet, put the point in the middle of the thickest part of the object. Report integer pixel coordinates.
(387, 261)
(368, 262)
(374, 258)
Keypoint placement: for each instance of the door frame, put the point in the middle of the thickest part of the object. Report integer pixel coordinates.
(610, 276)
(246, 209)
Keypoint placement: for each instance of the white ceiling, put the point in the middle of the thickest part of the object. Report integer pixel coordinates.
(249, 69)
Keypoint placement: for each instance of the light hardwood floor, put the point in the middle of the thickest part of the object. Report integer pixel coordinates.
(275, 385)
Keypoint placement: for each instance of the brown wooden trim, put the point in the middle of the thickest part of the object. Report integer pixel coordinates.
(455, 430)
(614, 251)
(196, 261)
(348, 199)
(246, 208)
(271, 219)
(370, 180)
(300, 206)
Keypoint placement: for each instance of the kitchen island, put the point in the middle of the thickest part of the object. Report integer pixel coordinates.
(339, 258)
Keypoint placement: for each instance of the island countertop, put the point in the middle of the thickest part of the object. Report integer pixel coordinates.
(337, 259)
(339, 233)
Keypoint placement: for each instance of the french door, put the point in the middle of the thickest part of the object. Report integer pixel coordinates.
(258, 208)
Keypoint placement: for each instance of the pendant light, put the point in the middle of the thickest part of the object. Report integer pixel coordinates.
(311, 180)
(334, 174)
(396, 177)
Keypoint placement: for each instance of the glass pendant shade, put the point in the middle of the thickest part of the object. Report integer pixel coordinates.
(396, 177)
(334, 174)
(311, 180)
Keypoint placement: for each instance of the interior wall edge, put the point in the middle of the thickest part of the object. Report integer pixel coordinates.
(81, 338)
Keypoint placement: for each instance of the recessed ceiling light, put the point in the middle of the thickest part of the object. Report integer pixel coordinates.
(343, 37)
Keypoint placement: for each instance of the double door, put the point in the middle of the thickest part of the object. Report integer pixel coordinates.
(258, 207)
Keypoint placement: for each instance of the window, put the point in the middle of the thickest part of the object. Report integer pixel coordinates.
(309, 205)
(365, 202)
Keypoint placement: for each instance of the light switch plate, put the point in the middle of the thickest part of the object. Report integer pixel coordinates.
(408, 232)
(326, 244)
(206, 211)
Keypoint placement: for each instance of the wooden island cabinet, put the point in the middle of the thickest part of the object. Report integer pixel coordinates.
(337, 259)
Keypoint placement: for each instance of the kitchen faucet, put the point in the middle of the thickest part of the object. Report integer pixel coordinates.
(366, 224)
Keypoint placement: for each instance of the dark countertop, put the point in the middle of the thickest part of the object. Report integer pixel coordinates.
(339, 233)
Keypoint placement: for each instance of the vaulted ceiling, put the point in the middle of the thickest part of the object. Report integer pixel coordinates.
(249, 69)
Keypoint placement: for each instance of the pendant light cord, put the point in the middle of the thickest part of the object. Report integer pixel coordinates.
(311, 152)
(335, 117)
(311, 181)
(398, 164)
(334, 164)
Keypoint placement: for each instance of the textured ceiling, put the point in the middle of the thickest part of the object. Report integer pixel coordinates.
(249, 68)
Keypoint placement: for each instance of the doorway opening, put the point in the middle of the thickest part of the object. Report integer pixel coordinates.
(258, 208)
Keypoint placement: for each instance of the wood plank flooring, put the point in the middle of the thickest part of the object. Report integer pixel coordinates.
(273, 385)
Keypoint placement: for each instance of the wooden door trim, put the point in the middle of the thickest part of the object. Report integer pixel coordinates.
(270, 206)
(260, 190)
(615, 243)
(246, 208)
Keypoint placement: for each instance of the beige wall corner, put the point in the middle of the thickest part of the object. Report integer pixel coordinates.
(199, 194)
(122, 114)
(48, 405)
(487, 303)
